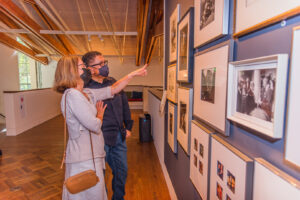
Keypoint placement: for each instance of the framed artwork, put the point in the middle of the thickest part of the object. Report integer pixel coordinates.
(210, 85)
(293, 109)
(185, 47)
(184, 118)
(231, 172)
(200, 148)
(172, 84)
(263, 13)
(172, 128)
(211, 20)
(174, 19)
(256, 94)
(272, 183)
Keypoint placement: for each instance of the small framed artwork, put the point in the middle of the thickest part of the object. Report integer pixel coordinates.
(172, 128)
(263, 13)
(185, 47)
(199, 174)
(231, 171)
(272, 183)
(293, 108)
(174, 19)
(211, 20)
(256, 94)
(184, 117)
(210, 85)
(172, 84)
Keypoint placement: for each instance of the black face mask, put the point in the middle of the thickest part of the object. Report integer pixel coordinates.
(104, 71)
(86, 76)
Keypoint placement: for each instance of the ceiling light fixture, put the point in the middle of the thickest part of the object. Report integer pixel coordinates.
(101, 38)
(89, 38)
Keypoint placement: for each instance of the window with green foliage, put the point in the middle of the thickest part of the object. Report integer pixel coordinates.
(24, 72)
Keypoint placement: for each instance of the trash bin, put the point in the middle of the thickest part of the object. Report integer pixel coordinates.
(145, 128)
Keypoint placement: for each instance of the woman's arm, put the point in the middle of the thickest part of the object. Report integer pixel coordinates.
(122, 83)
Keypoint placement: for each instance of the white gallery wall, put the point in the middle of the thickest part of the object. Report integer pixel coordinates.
(9, 73)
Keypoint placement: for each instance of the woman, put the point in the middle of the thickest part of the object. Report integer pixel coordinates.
(84, 118)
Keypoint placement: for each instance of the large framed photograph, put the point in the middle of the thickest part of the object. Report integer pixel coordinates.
(256, 94)
(292, 141)
(174, 19)
(185, 47)
(199, 160)
(252, 15)
(231, 172)
(172, 128)
(184, 117)
(211, 20)
(172, 84)
(210, 85)
(272, 183)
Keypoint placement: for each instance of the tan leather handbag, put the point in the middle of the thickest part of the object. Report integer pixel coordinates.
(85, 179)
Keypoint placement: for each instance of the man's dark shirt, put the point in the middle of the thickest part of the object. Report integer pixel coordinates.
(117, 116)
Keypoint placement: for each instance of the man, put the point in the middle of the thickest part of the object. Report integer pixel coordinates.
(117, 123)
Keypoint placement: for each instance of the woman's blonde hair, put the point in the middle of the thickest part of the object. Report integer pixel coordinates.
(66, 74)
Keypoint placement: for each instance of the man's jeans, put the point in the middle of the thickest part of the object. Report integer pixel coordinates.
(116, 157)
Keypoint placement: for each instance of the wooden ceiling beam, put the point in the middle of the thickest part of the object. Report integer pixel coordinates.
(51, 25)
(15, 13)
(8, 41)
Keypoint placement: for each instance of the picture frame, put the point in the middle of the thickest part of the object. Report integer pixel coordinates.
(210, 85)
(256, 94)
(172, 85)
(185, 47)
(231, 171)
(211, 20)
(174, 19)
(172, 127)
(292, 136)
(184, 117)
(269, 182)
(200, 147)
(263, 13)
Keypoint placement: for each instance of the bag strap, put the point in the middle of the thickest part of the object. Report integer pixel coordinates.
(65, 137)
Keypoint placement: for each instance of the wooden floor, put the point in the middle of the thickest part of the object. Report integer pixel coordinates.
(29, 167)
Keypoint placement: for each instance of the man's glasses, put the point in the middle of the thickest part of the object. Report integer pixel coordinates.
(105, 62)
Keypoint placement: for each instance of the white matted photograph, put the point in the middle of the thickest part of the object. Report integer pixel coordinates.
(174, 19)
(185, 47)
(269, 182)
(172, 128)
(210, 85)
(292, 140)
(184, 117)
(172, 84)
(231, 171)
(256, 94)
(201, 139)
(211, 20)
(261, 12)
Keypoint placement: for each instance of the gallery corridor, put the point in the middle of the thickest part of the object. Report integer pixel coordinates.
(30, 165)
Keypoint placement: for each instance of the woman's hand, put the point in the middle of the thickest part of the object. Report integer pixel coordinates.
(100, 109)
(139, 72)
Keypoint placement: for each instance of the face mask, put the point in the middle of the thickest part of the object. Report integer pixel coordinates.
(86, 76)
(104, 71)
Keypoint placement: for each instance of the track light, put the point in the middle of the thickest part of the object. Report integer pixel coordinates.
(101, 38)
(89, 38)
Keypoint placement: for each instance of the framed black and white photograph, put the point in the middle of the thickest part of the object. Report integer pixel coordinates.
(185, 47)
(174, 19)
(263, 13)
(211, 20)
(269, 182)
(184, 118)
(231, 171)
(292, 140)
(199, 176)
(256, 94)
(210, 85)
(172, 128)
(172, 84)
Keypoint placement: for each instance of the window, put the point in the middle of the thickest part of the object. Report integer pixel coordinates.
(24, 72)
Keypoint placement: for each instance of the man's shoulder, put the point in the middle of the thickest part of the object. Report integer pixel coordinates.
(111, 79)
